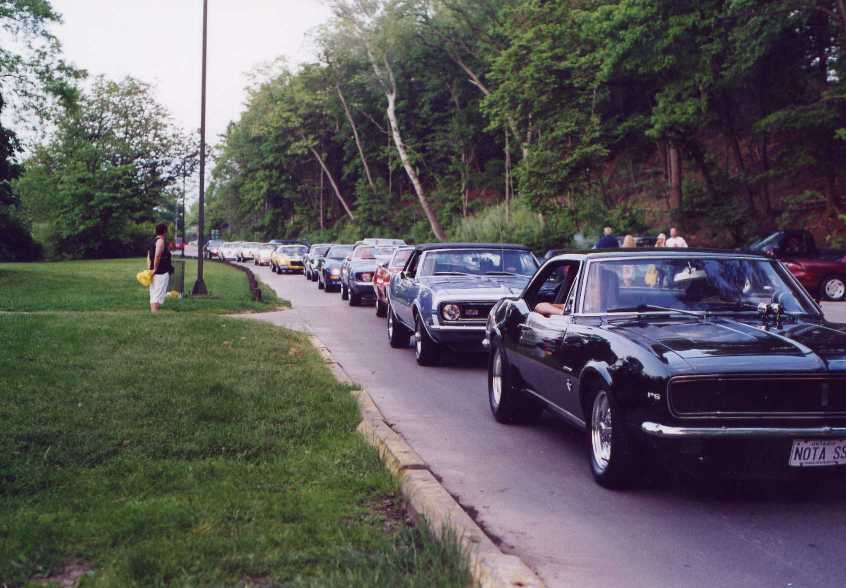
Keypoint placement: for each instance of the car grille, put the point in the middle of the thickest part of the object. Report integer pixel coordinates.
(472, 312)
(297, 264)
(764, 395)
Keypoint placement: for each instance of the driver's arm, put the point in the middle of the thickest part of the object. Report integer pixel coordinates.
(548, 308)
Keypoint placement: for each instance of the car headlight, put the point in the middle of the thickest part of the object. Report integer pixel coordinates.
(451, 312)
(335, 271)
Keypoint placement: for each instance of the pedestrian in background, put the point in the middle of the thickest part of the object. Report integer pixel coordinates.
(675, 239)
(629, 241)
(661, 240)
(607, 240)
(159, 261)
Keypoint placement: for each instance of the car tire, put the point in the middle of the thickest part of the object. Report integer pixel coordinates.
(345, 293)
(833, 288)
(320, 285)
(355, 299)
(508, 403)
(427, 351)
(611, 451)
(381, 309)
(398, 334)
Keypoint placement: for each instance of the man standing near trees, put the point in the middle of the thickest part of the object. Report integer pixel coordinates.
(675, 239)
(607, 240)
(158, 257)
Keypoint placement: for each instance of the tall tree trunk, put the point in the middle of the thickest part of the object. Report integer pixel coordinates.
(841, 10)
(507, 179)
(332, 181)
(357, 139)
(409, 168)
(321, 198)
(675, 169)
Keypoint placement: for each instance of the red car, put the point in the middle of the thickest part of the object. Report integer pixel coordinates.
(823, 273)
(383, 274)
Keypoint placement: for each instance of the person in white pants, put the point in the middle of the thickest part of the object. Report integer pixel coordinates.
(158, 257)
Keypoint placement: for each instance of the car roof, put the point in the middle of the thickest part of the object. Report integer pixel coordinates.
(436, 246)
(658, 252)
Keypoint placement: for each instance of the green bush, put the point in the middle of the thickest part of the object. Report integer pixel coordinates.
(522, 226)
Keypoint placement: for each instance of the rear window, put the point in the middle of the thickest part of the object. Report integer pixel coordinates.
(401, 257)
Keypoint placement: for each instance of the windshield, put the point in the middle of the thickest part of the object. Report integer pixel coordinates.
(319, 251)
(293, 250)
(384, 253)
(481, 262)
(364, 253)
(339, 252)
(767, 243)
(401, 257)
(715, 285)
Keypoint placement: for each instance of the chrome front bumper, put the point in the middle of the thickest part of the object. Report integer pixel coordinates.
(671, 432)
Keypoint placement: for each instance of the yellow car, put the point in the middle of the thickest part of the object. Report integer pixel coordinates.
(288, 258)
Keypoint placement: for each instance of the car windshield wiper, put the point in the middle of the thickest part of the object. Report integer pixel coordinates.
(654, 308)
(500, 274)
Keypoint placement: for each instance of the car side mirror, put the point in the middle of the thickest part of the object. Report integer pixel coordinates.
(349, 258)
(403, 274)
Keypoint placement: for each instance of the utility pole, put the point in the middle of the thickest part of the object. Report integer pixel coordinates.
(200, 286)
(184, 232)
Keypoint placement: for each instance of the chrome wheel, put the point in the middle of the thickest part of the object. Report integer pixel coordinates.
(600, 431)
(418, 340)
(496, 379)
(391, 325)
(835, 289)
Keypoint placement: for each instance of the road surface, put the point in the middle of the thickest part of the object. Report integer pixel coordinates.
(530, 486)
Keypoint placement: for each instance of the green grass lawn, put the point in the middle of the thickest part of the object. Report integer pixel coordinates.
(111, 285)
(186, 448)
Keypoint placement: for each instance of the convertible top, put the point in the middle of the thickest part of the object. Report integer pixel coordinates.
(433, 246)
(654, 252)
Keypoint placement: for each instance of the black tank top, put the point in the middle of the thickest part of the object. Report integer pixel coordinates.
(165, 266)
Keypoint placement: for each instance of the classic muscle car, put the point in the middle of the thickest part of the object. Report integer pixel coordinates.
(329, 267)
(822, 272)
(311, 258)
(444, 293)
(718, 357)
(382, 277)
(288, 258)
(358, 270)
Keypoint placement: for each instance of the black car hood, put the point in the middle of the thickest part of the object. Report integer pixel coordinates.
(725, 344)
(499, 286)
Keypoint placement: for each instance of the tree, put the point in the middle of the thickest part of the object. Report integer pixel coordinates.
(113, 159)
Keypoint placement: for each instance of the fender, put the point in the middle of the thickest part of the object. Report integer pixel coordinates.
(593, 369)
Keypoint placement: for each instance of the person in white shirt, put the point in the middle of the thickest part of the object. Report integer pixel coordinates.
(675, 239)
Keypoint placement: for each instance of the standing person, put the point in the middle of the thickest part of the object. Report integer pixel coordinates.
(661, 240)
(159, 260)
(675, 239)
(607, 240)
(629, 242)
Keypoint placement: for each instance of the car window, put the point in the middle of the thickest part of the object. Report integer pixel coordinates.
(339, 252)
(554, 284)
(400, 257)
(384, 252)
(364, 253)
(479, 262)
(716, 284)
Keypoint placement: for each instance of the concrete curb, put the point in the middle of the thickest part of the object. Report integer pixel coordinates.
(425, 496)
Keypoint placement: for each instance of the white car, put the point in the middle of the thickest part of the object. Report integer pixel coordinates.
(263, 253)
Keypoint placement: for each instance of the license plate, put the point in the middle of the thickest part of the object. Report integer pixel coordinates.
(818, 452)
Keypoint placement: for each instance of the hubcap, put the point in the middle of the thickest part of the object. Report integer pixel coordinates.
(391, 325)
(496, 378)
(835, 289)
(600, 431)
(418, 340)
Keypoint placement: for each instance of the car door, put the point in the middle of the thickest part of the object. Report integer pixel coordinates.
(404, 289)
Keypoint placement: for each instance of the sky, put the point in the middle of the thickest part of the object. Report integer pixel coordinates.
(160, 41)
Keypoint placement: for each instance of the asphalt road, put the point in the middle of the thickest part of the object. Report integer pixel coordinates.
(530, 486)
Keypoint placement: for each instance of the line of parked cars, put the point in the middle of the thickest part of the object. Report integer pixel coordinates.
(698, 357)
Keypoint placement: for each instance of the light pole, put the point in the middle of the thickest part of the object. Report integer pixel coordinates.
(200, 286)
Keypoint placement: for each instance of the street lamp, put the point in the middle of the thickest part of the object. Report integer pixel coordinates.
(200, 286)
